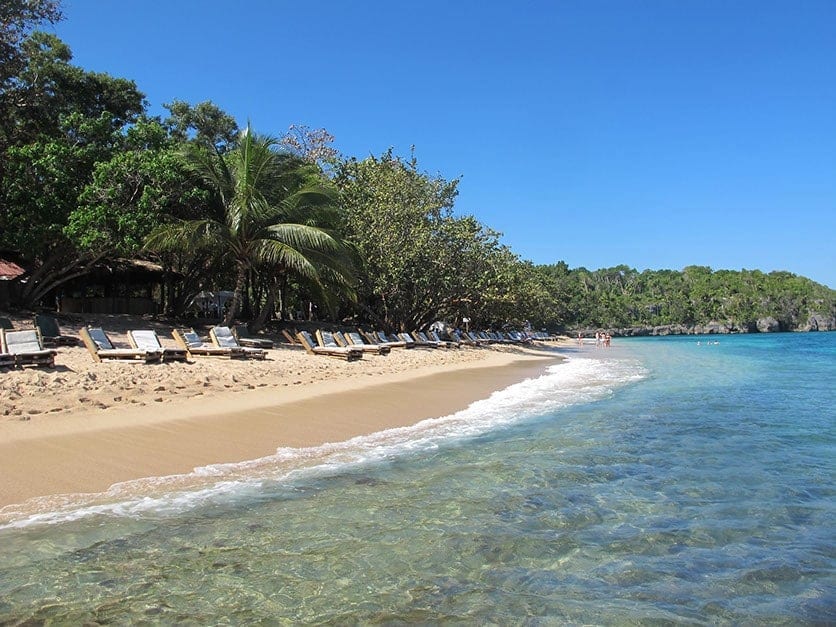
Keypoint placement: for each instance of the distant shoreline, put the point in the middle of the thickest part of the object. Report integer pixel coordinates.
(713, 328)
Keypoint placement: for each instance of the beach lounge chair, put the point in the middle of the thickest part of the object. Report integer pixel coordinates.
(519, 337)
(287, 335)
(147, 339)
(406, 337)
(100, 347)
(51, 333)
(26, 348)
(6, 360)
(196, 347)
(310, 344)
(357, 342)
(223, 337)
(481, 338)
(242, 334)
(423, 339)
(432, 335)
(379, 337)
(461, 339)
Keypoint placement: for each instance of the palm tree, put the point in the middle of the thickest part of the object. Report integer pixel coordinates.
(258, 190)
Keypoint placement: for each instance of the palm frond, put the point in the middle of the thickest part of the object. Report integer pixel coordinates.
(303, 236)
(190, 235)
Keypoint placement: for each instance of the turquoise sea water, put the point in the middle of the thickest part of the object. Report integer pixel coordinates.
(658, 481)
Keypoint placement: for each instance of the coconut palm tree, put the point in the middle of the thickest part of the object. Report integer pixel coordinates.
(258, 189)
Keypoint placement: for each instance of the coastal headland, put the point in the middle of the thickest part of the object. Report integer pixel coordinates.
(84, 426)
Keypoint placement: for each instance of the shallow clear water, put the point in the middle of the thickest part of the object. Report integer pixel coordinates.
(658, 481)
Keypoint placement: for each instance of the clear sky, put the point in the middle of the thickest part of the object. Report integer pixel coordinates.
(652, 133)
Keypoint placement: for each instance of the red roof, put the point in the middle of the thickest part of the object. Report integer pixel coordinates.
(9, 270)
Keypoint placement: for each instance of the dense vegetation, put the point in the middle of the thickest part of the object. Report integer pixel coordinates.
(86, 174)
(622, 297)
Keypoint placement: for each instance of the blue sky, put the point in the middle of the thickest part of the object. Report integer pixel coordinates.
(656, 134)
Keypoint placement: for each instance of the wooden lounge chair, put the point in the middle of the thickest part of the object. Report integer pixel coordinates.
(26, 348)
(519, 338)
(349, 354)
(147, 339)
(500, 337)
(242, 334)
(406, 337)
(477, 339)
(355, 339)
(191, 342)
(379, 337)
(223, 337)
(433, 336)
(342, 340)
(423, 339)
(461, 339)
(100, 347)
(290, 338)
(51, 333)
(6, 360)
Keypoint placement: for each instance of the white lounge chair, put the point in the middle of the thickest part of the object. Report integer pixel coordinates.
(310, 344)
(196, 347)
(342, 340)
(100, 347)
(223, 337)
(26, 347)
(147, 339)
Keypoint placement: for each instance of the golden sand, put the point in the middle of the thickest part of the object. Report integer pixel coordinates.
(84, 426)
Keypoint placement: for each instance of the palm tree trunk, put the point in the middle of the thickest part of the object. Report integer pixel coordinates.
(240, 280)
(267, 308)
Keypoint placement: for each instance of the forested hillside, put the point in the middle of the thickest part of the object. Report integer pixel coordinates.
(621, 297)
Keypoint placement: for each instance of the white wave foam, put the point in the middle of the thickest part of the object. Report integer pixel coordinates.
(575, 381)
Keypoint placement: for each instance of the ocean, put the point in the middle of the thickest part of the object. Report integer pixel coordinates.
(663, 480)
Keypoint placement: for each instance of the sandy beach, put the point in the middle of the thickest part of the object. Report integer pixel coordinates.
(85, 426)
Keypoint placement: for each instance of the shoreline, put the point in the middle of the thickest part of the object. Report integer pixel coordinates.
(88, 451)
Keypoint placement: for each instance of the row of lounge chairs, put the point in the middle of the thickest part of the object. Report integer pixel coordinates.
(146, 345)
(34, 347)
(20, 348)
(352, 344)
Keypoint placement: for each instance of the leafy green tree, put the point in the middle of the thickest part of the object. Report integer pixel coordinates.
(421, 262)
(64, 122)
(393, 213)
(254, 194)
(132, 192)
(203, 123)
(17, 19)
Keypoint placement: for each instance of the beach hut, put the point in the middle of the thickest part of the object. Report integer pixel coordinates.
(10, 272)
(116, 286)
